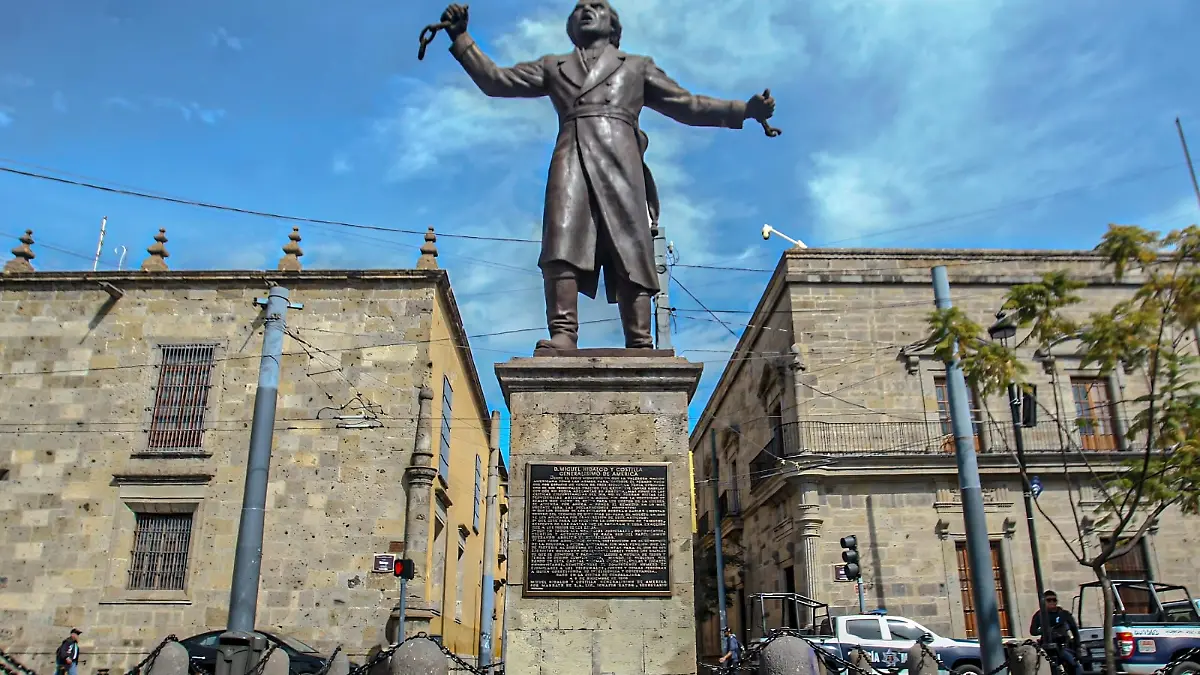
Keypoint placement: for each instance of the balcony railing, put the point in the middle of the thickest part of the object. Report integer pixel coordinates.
(899, 438)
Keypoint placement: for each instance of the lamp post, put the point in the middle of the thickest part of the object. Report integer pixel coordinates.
(1003, 330)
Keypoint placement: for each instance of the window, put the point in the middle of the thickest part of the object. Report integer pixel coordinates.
(447, 414)
(902, 630)
(968, 600)
(460, 576)
(1131, 567)
(790, 609)
(159, 558)
(181, 396)
(1094, 413)
(775, 419)
(478, 481)
(865, 629)
(943, 404)
(439, 563)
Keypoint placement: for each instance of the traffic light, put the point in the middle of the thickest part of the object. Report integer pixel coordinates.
(404, 568)
(850, 556)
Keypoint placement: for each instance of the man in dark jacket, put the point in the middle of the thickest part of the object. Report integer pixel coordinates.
(1064, 633)
(66, 659)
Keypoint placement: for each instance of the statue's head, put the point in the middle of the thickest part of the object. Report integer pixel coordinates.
(593, 19)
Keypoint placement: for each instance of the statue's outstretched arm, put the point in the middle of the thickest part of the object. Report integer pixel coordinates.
(524, 80)
(665, 96)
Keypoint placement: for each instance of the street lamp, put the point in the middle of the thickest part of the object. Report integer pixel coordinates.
(1004, 330)
(767, 231)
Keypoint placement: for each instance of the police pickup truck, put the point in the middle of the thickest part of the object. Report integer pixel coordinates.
(884, 639)
(1154, 625)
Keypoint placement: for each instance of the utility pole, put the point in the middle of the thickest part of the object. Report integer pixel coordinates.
(238, 645)
(979, 550)
(720, 554)
(488, 606)
(662, 301)
(1014, 405)
(1196, 189)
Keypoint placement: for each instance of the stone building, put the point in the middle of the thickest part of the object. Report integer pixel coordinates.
(829, 422)
(125, 407)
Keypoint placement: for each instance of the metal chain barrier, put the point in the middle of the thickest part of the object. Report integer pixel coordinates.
(1188, 655)
(149, 660)
(262, 661)
(381, 656)
(329, 662)
(20, 667)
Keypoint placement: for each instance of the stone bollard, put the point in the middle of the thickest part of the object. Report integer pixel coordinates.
(419, 656)
(860, 660)
(788, 655)
(340, 665)
(278, 663)
(1026, 659)
(171, 660)
(921, 660)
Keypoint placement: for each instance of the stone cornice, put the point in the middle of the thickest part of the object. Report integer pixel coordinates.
(585, 374)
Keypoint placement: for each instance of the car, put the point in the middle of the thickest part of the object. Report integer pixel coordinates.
(302, 658)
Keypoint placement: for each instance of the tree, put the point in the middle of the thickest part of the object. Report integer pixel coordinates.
(706, 580)
(1152, 335)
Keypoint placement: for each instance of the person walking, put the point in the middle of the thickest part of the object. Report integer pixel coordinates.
(66, 659)
(732, 650)
(1064, 632)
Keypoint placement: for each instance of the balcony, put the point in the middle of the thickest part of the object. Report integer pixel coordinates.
(899, 438)
(704, 525)
(731, 512)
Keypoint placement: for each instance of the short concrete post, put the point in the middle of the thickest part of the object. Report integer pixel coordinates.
(419, 657)
(860, 660)
(340, 665)
(921, 660)
(171, 660)
(788, 655)
(277, 663)
(1026, 659)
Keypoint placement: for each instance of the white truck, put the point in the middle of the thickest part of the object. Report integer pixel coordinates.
(885, 639)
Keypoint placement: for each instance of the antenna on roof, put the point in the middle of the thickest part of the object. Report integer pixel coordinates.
(100, 244)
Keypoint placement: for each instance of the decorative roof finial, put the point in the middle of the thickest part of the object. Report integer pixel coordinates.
(157, 262)
(290, 262)
(21, 256)
(429, 252)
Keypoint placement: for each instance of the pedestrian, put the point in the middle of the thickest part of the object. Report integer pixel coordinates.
(1064, 632)
(732, 650)
(66, 659)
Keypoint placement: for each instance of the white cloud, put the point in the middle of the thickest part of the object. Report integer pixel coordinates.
(59, 101)
(221, 37)
(341, 165)
(965, 101)
(209, 116)
(5, 118)
(121, 102)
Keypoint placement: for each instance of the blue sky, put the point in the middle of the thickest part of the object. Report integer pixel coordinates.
(926, 123)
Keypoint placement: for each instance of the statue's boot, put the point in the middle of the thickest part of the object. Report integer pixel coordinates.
(562, 313)
(634, 305)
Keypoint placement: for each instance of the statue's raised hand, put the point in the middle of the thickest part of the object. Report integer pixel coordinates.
(455, 18)
(760, 106)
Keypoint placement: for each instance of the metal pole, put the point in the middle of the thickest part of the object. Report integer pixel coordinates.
(1014, 405)
(979, 550)
(488, 605)
(403, 603)
(862, 597)
(1188, 156)
(247, 561)
(662, 301)
(100, 244)
(720, 554)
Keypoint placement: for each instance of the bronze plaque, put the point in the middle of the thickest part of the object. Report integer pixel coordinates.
(597, 529)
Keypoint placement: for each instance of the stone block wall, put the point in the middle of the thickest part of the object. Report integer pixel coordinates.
(77, 377)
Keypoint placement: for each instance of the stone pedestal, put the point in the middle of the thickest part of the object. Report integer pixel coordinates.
(614, 411)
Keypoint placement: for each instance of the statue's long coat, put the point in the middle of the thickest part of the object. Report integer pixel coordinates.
(595, 216)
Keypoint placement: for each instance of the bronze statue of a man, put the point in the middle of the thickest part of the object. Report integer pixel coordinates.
(596, 215)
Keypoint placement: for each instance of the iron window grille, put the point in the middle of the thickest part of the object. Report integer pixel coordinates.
(444, 449)
(181, 397)
(160, 551)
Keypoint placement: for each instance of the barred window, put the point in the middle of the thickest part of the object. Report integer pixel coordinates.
(181, 396)
(478, 486)
(447, 414)
(160, 551)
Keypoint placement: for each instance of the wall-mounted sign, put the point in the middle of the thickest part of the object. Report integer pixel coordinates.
(1035, 486)
(384, 562)
(839, 573)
